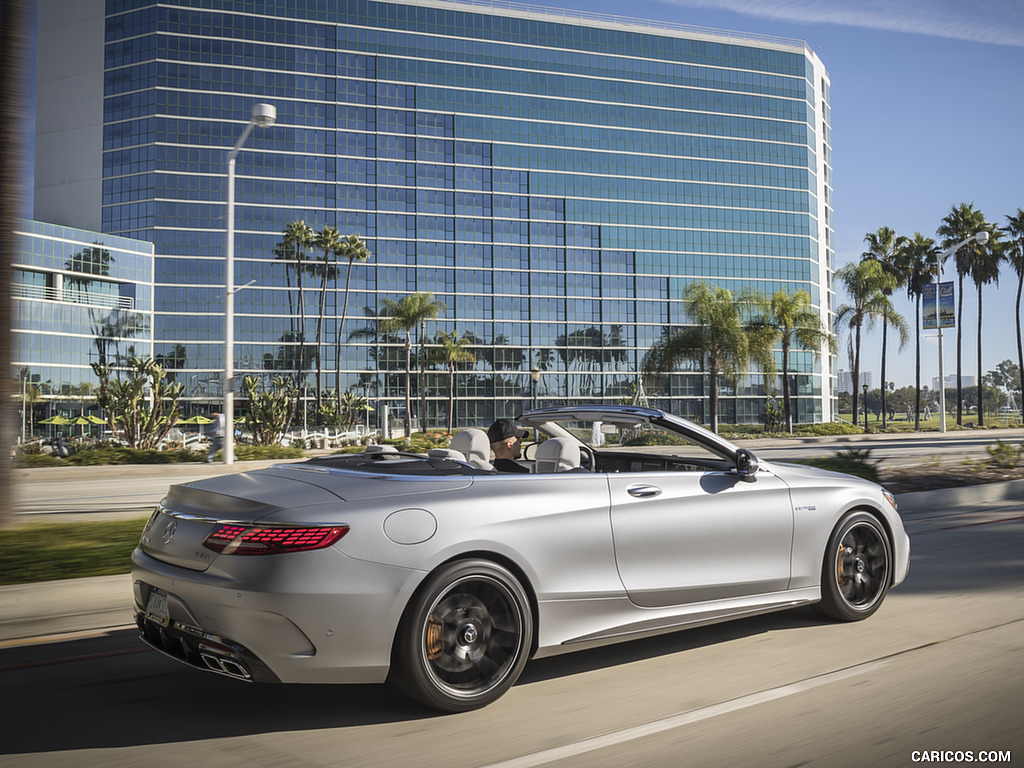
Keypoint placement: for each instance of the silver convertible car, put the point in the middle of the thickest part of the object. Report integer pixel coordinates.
(443, 577)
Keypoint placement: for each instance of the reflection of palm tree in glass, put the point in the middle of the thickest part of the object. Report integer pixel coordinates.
(91, 260)
(110, 329)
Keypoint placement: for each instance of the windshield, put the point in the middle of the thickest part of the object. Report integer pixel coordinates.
(636, 437)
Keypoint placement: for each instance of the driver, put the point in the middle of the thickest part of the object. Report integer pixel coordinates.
(506, 444)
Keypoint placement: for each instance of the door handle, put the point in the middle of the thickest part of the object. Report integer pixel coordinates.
(643, 491)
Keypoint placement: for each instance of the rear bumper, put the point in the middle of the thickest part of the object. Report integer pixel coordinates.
(298, 626)
(204, 651)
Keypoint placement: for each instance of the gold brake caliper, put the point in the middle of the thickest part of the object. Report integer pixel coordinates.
(435, 644)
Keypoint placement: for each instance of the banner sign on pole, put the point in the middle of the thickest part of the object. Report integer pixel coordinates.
(942, 310)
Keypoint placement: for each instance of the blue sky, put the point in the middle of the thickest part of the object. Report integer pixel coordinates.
(927, 112)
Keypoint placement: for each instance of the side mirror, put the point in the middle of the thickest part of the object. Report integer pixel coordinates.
(746, 465)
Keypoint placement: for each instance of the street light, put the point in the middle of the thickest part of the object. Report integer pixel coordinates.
(865, 406)
(534, 378)
(981, 238)
(263, 116)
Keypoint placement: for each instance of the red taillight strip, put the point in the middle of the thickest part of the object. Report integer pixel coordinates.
(233, 539)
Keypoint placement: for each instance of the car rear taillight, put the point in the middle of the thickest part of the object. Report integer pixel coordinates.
(231, 539)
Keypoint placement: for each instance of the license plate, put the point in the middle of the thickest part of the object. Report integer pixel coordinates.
(156, 608)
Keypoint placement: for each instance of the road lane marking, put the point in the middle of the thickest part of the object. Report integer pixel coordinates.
(686, 718)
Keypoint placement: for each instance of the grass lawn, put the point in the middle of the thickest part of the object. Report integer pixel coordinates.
(48, 551)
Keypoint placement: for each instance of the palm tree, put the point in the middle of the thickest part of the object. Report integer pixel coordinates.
(865, 283)
(787, 318)
(353, 249)
(1015, 255)
(327, 240)
(429, 310)
(404, 316)
(298, 236)
(985, 270)
(961, 222)
(920, 257)
(887, 248)
(452, 351)
(718, 340)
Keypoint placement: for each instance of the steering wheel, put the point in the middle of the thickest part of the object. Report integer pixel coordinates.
(586, 452)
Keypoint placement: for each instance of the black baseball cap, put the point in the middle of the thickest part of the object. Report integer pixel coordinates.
(503, 429)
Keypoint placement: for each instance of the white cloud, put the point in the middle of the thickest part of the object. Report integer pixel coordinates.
(996, 22)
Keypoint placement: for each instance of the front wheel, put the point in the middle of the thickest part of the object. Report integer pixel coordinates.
(857, 569)
(465, 639)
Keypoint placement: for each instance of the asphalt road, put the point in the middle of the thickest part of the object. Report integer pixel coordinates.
(939, 669)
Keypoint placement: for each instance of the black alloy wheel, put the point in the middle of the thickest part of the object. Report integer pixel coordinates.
(857, 568)
(465, 639)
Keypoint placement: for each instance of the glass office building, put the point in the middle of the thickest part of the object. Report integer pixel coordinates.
(79, 298)
(554, 179)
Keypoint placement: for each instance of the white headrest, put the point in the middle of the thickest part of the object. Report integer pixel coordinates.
(473, 444)
(445, 453)
(557, 454)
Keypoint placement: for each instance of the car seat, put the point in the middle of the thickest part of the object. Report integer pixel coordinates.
(474, 445)
(558, 454)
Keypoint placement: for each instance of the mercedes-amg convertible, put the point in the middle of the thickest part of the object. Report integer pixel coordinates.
(443, 576)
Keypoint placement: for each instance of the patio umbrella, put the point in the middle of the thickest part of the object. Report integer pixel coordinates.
(58, 420)
(93, 419)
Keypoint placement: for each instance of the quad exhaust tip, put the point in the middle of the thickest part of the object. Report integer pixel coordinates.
(225, 667)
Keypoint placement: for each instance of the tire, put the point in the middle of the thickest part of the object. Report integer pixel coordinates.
(465, 638)
(857, 568)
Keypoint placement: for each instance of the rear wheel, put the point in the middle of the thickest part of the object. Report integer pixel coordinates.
(857, 569)
(465, 639)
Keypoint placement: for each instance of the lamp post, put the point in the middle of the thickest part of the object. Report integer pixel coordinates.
(865, 405)
(263, 116)
(534, 378)
(981, 238)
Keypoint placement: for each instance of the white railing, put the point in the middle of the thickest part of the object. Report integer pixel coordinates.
(72, 296)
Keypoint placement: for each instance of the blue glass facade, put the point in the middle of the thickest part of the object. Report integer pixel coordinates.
(79, 298)
(555, 182)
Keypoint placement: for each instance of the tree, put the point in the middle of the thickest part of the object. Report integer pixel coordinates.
(789, 318)
(270, 410)
(404, 316)
(353, 249)
(887, 248)
(958, 225)
(327, 241)
(920, 256)
(145, 416)
(1014, 253)
(985, 270)
(718, 341)
(298, 236)
(452, 351)
(865, 283)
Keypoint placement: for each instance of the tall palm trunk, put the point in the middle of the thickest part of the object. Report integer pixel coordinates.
(341, 328)
(1020, 346)
(14, 52)
(856, 378)
(787, 406)
(959, 355)
(321, 307)
(981, 388)
(408, 384)
(917, 364)
(885, 341)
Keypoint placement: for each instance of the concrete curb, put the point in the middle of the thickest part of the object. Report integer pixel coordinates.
(965, 495)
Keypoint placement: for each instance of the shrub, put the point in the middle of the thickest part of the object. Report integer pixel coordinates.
(1004, 456)
(257, 452)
